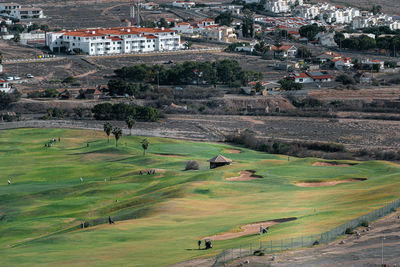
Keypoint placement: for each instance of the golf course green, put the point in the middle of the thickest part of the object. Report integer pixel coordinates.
(160, 217)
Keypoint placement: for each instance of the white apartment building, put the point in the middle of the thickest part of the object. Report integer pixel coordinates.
(281, 6)
(9, 6)
(16, 11)
(27, 13)
(119, 40)
(183, 4)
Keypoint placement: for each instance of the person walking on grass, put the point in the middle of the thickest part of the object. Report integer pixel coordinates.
(9, 182)
(110, 221)
(81, 180)
(199, 243)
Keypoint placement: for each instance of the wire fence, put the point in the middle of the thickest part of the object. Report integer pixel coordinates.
(273, 246)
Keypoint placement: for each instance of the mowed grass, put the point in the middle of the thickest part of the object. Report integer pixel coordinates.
(168, 212)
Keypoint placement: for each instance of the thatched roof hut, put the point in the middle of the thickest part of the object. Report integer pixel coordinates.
(219, 161)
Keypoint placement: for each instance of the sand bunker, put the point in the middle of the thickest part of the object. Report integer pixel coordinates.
(245, 176)
(249, 229)
(169, 155)
(329, 183)
(332, 164)
(233, 151)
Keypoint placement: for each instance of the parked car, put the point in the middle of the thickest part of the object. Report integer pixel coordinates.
(10, 78)
(29, 76)
(17, 78)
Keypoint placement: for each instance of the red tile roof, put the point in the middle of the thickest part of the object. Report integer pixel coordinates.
(282, 48)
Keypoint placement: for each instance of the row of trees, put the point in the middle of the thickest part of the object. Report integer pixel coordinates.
(366, 43)
(117, 132)
(122, 111)
(121, 87)
(190, 72)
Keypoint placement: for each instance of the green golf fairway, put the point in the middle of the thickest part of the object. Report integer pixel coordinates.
(165, 213)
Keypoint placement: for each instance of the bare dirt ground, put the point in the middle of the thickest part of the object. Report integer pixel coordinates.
(248, 229)
(330, 183)
(353, 133)
(244, 176)
(365, 251)
(365, 94)
(13, 50)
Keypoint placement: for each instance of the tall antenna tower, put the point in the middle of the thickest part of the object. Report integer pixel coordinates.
(132, 12)
(138, 14)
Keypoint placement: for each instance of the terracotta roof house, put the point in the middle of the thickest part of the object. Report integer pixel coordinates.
(219, 161)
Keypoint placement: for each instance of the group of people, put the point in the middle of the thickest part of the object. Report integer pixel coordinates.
(50, 143)
(149, 172)
(263, 230)
(207, 243)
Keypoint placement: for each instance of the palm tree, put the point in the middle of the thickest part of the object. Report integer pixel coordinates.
(130, 121)
(145, 145)
(117, 132)
(107, 130)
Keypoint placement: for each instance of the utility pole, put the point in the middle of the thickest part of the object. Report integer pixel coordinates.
(383, 238)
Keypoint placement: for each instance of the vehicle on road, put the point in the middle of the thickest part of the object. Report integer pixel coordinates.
(29, 76)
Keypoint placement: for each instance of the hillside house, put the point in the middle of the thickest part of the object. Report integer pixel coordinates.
(90, 93)
(284, 51)
(369, 64)
(5, 87)
(300, 77)
(183, 27)
(219, 33)
(149, 6)
(342, 63)
(320, 76)
(183, 4)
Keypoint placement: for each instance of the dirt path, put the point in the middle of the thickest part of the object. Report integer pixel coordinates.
(249, 229)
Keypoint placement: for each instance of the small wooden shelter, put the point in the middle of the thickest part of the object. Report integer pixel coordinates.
(219, 161)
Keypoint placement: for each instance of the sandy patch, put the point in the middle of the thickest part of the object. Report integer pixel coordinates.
(169, 155)
(234, 151)
(245, 176)
(249, 229)
(329, 183)
(253, 120)
(332, 164)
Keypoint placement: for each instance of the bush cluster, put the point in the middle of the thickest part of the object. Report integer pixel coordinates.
(121, 111)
